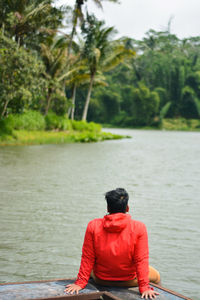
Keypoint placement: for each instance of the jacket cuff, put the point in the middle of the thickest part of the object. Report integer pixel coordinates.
(80, 283)
(145, 288)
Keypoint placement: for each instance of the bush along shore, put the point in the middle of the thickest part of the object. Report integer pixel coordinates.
(181, 124)
(32, 128)
(175, 124)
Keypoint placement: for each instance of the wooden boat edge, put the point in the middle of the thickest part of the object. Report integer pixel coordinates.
(87, 296)
(68, 297)
(170, 291)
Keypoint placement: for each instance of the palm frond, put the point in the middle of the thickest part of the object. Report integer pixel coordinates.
(116, 57)
(78, 79)
(69, 73)
(165, 110)
(61, 42)
(33, 11)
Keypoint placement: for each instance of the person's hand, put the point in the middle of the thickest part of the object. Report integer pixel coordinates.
(72, 288)
(149, 294)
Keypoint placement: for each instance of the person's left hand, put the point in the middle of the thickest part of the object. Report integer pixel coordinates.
(72, 288)
(149, 294)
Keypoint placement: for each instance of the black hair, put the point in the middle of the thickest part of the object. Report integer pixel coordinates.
(117, 200)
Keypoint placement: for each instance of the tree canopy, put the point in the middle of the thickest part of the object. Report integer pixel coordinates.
(88, 74)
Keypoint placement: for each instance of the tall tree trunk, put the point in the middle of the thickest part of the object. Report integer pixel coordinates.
(4, 108)
(48, 101)
(73, 102)
(69, 112)
(71, 109)
(85, 111)
(71, 39)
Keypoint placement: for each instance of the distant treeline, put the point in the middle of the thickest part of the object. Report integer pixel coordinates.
(162, 80)
(91, 75)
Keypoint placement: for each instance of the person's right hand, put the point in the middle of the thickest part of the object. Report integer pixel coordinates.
(72, 288)
(149, 294)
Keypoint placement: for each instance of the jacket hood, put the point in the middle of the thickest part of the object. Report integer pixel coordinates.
(116, 222)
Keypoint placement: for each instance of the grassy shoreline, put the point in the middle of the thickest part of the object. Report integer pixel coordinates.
(179, 124)
(85, 133)
(32, 128)
(23, 137)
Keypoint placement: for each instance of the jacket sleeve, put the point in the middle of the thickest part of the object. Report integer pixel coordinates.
(87, 259)
(141, 258)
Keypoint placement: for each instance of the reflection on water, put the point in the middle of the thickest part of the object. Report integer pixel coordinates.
(49, 193)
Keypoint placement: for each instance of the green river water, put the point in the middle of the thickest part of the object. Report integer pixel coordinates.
(49, 193)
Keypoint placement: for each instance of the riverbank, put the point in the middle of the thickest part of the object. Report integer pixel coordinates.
(32, 128)
(181, 124)
(23, 137)
(178, 124)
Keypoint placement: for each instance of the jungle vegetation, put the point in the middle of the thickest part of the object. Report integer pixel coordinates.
(88, 73)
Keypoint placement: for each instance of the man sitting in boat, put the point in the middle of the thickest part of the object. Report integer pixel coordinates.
(115, 250)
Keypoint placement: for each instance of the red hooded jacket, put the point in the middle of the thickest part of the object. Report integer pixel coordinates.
(115, 248)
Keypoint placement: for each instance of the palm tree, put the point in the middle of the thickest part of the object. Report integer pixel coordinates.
(77, 78)
(101, 52)
(54, 56)
(78, 15)
(80, 74)
(82, 79)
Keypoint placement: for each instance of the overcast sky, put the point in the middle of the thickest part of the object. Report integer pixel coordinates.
(135, 17)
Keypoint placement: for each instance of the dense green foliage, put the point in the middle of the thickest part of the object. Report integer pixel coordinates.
(29, 21)
(33, 120)
(22, 85)
(101, 52)
(54, 121)
(121, 82)
(181, 124)
(161, 81)
(34, 128)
